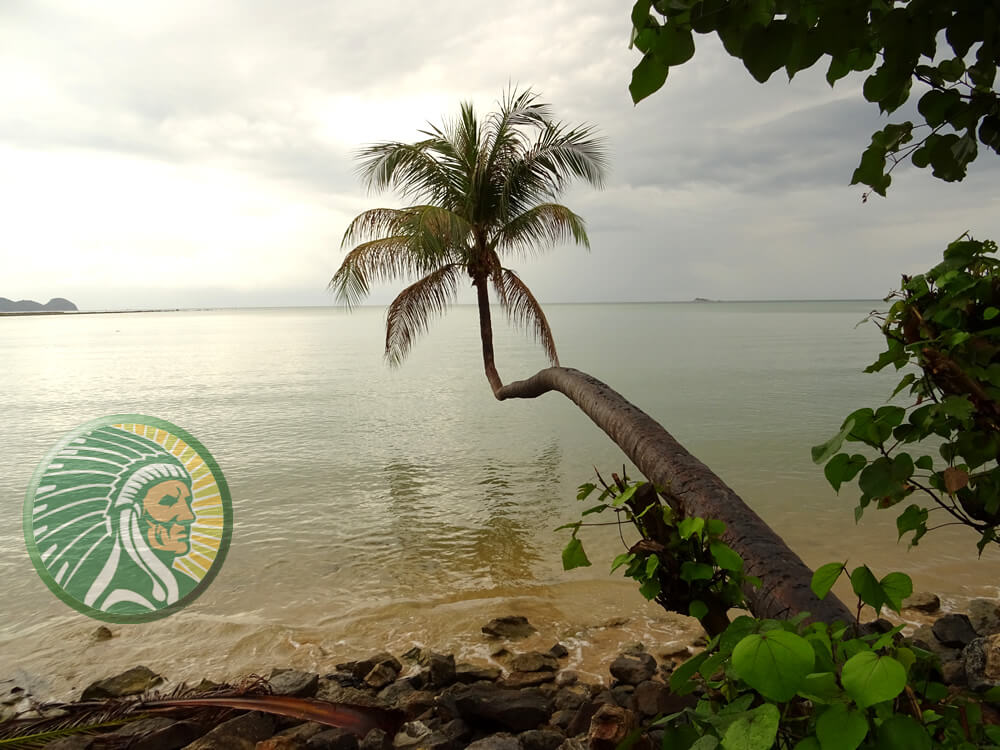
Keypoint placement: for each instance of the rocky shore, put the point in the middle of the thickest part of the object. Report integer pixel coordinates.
(530, 701)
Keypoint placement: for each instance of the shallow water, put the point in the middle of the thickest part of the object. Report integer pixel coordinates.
(386, 507)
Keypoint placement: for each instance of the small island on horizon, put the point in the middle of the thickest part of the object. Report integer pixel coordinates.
(54, 305)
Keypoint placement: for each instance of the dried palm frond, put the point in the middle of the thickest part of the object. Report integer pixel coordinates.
(524, 310)
(410, 313)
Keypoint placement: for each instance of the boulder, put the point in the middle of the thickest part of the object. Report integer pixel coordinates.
(609, 727)
(496, 742)
(241, 733)
(534, 661)
(511, 627)
(332, 738)
(633, 669)
(923, 601)
(132, 682)
(984, 616)
(294, 683)
(541, 739)
(519, 680)
(981, 660)
(954, 631)
(469, 673)
(514, 710)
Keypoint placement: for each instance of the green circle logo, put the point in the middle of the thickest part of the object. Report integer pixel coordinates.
(128, 519)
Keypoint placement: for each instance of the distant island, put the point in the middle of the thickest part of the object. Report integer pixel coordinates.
(56, 304)
(703, 299)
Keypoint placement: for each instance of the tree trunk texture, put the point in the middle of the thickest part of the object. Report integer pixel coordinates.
(486, 332)
(695, 488)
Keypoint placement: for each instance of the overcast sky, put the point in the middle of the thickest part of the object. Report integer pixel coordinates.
(181, 154)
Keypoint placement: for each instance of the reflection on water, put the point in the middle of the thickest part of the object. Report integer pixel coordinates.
(378, 506)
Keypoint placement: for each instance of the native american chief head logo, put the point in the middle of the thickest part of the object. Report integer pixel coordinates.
(128, 519)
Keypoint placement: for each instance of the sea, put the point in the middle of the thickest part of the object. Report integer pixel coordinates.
(378, 508)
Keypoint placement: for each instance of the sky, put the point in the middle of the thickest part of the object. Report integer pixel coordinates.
(182, 154)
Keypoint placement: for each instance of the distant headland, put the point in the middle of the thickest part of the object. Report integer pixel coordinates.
(56, 304)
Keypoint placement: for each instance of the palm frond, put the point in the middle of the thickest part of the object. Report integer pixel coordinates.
(409, 314)
(358, 719)
(524, 310)
(420, 239)
(539, 228)
(410, 168)
(543, 170)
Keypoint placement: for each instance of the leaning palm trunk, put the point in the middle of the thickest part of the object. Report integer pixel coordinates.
(695, 489)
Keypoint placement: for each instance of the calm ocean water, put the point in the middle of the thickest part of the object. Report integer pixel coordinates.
(377, 506)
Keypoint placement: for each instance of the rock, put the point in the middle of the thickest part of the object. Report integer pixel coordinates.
(541, 739)
(633, 669)
(469, 673)
(559, 651)
(303, 731)
(511, 627)
(440, 668)
(241, 733)
(417, 703)
(623, 694)
(923, 601)
(580, 722)
(411, 734)
(953, 673)
(984, 616)
(134, 681)
(924, 638)
(981, 660)
(571, 697)
(381, 675)
(413, 654)
(515, 710)
(281, 743)
(567, 677)
(392, 694)
(359, 669)
(572, 744)
(331, 691)
(954, 631)
(293, 683)
(496, 742)
(518, 680)
(103, 633)
(652, 698)
(609, 727)
(332, 738)
(375, 740)
(178, 734)
(533, 661)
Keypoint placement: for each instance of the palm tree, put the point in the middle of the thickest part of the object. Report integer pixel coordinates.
(485, 190)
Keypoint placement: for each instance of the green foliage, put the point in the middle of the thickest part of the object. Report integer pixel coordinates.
(940, 331)
(820, 686)
(681, 562)
(901, 43)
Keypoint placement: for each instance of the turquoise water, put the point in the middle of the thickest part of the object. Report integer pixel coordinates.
(376, 505)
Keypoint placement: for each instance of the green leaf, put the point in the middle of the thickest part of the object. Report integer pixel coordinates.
(841, 728)
(869, 678)
(990, 312)
(765, 49)
(695, 571)
(867, 587)
(625, 495)
(573, 555)
(821, 687)
(584, 490)
(647, 77)
(698, 609)
(674, 45)
(775, 663)
(807, 743)
(651, 588)
(691, 527)
(896, 587)
(726, 557)
(623, 559)
(824, 578)
(821, 453)
(754, 730)
(680, 679)
(900, 732)
(707, 742)
(843, 468)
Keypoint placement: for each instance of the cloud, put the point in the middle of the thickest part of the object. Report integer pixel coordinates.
(135, 136)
